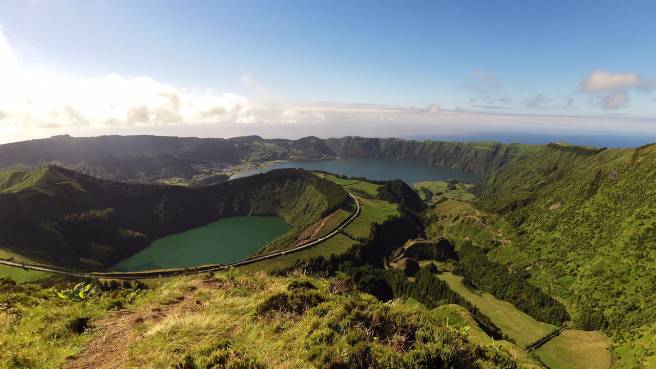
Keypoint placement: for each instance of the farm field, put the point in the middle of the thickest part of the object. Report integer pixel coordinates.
(514, 323)
(574, 349)
(435, 191)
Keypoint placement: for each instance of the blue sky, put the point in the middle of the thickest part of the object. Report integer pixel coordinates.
(335, 67)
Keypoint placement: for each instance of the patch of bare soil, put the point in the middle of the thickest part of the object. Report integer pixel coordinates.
(313, 230)
(109, 350)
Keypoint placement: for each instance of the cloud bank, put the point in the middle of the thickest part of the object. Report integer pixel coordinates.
(615, 87)
(39, 102)
(40, 98)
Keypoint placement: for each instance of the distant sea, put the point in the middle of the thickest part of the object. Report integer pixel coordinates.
(530, 138)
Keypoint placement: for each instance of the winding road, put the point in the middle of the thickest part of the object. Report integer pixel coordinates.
(184, 271)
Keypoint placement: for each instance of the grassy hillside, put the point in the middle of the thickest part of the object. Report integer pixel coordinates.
(582, 222)
(364, 230)
(578, 222)
(477, 157)
(519, 326)
(587, 227)
(432, 192)
(255, 321)
(59, 216)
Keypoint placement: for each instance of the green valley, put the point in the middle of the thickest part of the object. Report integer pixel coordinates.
(551, 236)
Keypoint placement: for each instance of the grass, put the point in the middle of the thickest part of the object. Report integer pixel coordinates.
(41, 178)
(574, 349)
(17, 274)
(330, 332)
(514, 323)
(36, 327)
(356, 186)
(435, 191)
(20, 275)
(373, 211)
(336, 245)
(222, 317)
(225, 312)
(457, 220)
(335, 220)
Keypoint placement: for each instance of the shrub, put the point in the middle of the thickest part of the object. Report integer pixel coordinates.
(295, 303)
(218, 355)
(78, 325)
(356, 332)
(80, 292)
(301, 285)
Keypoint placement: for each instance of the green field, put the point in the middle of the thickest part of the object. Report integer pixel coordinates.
(374, 210)
(514, 323)
(336, 245)
(575, 349)
(21, 275)
(435, 191)
(17, 274)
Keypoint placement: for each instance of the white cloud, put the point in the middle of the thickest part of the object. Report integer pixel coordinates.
(34, 98)
(36, 102)
(603, 81)
(615, 87)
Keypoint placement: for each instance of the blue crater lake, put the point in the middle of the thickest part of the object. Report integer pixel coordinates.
(227, 241)
(378, 169)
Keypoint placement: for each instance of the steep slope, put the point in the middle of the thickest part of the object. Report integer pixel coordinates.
(583, 222)
(477, 157)
(64, 217)
(151, 158)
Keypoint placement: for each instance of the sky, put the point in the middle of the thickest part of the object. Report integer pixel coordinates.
(327, 68)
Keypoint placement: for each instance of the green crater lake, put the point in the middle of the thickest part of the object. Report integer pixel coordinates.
(378, 169)
(227, 241)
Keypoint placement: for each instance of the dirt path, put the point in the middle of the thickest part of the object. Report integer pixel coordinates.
(323, 224)
(109, 350)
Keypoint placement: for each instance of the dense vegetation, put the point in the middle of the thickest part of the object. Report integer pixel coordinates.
(232, 321)
(574, 223)
(584, 223)
(399, 192)
(64, 217)
(511, 286)
(426, 289)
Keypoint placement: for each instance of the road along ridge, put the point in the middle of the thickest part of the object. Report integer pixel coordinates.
(146, 274)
